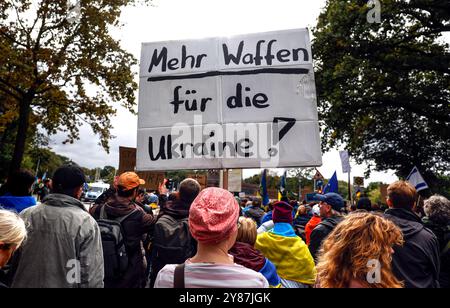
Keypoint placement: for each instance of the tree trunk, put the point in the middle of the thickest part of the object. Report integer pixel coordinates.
(24, 121)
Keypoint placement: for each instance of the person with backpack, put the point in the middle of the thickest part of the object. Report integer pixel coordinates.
(437, 219)
(172, 241)
(63, 248)
(124, 225)
(330, 207)
(213, 222)
(417, 263)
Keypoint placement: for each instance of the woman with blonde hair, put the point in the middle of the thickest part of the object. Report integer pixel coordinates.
(12, 234)
(245, 254)
(358, 253)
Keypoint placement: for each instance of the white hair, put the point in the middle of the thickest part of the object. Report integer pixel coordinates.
(12, 228)
(437, 208)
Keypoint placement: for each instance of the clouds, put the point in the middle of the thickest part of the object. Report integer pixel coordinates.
(87, 153)
(186, 19)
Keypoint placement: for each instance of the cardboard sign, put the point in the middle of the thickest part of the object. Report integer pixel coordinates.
(127, 163)
(127, 160)
(225, 103)
(202, 179)
(213, 178)
(358, 181)
(152, 179)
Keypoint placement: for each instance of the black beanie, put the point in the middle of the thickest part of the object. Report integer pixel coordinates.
(68, 177)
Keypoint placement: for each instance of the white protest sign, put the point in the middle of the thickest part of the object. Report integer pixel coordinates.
(345, 160)
(235, 180)
(241, 102)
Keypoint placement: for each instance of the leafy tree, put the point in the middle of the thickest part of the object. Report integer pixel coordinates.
(107, 174)
(60, 67)
(384, 88)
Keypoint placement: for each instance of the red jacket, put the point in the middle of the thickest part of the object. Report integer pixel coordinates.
(310, 227)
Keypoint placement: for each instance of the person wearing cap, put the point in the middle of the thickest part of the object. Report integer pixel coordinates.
(135, 228)
(213, 222)
(330, 207)
(286, 250)
(64, 248)
(313, 223)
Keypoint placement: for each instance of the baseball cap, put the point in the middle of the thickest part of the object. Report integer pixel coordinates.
(129, 181)
(333, 199)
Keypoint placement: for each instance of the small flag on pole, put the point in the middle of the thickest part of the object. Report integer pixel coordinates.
(345, 160)
(282, 192)
(332, 186)
(416, 180)
(263, 188)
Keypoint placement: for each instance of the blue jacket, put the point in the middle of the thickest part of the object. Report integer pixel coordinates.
(17, 204)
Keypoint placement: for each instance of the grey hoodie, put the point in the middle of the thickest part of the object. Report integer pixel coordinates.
(63, 248)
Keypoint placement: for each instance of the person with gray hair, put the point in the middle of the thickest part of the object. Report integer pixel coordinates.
(12, 234)
(437, 219)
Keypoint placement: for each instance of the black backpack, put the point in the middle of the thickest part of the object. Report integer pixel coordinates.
(115, 255)
(172, 242)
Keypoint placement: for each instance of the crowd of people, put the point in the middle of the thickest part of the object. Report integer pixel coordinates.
(211, 239)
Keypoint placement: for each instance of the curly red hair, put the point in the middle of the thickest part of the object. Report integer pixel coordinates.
(346, 253)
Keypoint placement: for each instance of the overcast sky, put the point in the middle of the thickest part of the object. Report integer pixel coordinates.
(186, 19)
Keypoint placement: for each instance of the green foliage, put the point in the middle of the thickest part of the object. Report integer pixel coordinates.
(384, 88)
(61, 70)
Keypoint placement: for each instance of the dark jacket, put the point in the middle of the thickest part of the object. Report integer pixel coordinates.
(256, 213)
(320, 233)
(135, 229)
(3, 279)
(442, 233)
(302, 220)
(172, 242)
(246, 255)
(417, 262)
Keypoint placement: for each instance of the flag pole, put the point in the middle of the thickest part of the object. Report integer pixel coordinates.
(350, 197)
(225, 179)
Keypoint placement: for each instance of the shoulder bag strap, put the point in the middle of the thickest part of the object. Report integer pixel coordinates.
(178, 277)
